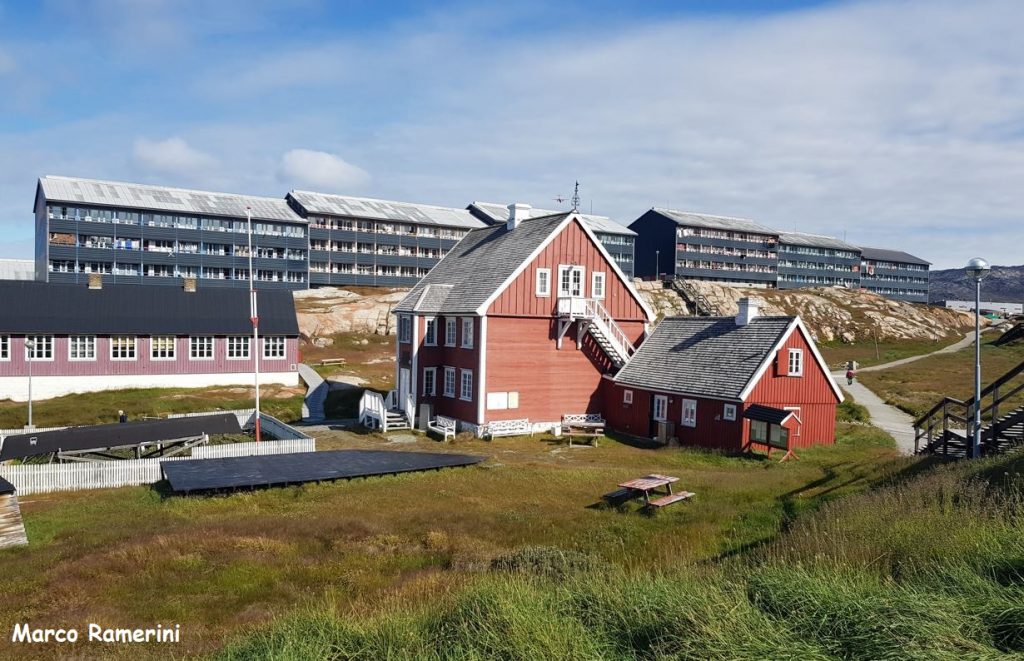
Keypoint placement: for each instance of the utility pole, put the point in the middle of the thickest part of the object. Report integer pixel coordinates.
(254, 317)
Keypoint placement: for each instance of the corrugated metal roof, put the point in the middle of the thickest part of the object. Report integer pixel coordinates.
(498, 213)
(41, 307)
(884, 255)
(163, 198)
(17, 269)
(362, 207)
(815, 240)
(693, 219)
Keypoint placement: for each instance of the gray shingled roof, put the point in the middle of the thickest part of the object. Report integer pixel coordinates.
(498, 213)
(163, 198)
(703, 356)
(691, 219)
(883, 255)
(477, 266)
(363, 207)
(815, 240)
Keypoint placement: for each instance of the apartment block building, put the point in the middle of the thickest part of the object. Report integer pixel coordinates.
(894, 274)
(814, 260)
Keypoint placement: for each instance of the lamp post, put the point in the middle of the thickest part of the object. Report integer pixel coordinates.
(977, 268)
(255, 319)
(657, 265)
(30, 346)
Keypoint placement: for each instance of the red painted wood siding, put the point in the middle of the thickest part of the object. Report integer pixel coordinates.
(440, 356)
(572, 246)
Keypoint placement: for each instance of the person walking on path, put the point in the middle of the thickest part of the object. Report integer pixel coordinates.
(851, 373)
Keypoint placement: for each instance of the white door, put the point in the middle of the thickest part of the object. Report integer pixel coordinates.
(404, 385)
(660, 408)
(570, 281)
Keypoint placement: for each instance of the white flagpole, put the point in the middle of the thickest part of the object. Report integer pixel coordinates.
(254, 317)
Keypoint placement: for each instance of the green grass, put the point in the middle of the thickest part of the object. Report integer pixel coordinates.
(867, 353)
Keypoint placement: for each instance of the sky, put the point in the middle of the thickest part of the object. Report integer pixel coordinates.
(897, 124)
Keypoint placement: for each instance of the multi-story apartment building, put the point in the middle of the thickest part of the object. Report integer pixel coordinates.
(617, 239)
(361, 241)
(135, 233)
(694, 246)
(813, 260)
(894, 274)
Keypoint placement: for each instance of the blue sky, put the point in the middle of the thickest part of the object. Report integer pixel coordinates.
(895, 123)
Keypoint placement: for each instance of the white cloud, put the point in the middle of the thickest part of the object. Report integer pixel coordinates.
(172, 156)
(320, 170)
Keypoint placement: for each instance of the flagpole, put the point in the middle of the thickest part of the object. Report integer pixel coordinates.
(254, 317)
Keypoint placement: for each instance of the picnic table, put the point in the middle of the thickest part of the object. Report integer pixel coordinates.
(645, 485)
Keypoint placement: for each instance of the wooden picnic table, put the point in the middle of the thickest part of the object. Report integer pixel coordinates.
(649, 483)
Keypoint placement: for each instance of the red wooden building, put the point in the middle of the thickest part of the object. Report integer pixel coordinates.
(724, 382)
(519, 321)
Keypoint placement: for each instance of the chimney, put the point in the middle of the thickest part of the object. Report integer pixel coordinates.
(95, 281)
(748, 311)
(517, 213)
(190, 285)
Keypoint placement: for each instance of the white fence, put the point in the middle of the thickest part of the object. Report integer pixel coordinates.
(254, 449)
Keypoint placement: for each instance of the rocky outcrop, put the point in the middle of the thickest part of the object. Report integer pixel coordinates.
(664, 301)
(326, 311)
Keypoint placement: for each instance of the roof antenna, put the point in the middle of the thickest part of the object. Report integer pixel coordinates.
(576, 198)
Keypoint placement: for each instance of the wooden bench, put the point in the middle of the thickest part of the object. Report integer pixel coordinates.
(672, 498)
(509, 428)
(332, 361)
(442, 425)
(586, 426)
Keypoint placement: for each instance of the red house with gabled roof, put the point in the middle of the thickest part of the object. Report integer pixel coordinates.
(519, 321)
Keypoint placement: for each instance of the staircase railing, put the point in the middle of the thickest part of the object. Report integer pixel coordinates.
(410, 409)
(600, 317)
(391, 402)
(701, 305)
(372, 408)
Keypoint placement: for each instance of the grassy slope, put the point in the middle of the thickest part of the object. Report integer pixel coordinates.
(866, 353)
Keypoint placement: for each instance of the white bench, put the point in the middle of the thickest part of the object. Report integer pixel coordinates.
(509, 428)
(442, 425)
(586, 426)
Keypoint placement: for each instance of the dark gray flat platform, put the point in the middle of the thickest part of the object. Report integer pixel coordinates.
(279, 469)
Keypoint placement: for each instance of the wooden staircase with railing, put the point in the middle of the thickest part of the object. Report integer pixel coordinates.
(945, 429)
(702, 307)
(592, 317)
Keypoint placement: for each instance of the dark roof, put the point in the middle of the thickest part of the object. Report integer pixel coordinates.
(477, 266)
(6, 487)
(883, 255)
(116, 435)
(703, 356)
(40, 307)
(694, 219)
(766, 414)
(815, 240)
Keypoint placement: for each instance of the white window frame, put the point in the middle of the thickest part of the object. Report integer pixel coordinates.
(729, 412)
(201, 342)
(466, 387)
(275, 347)
(542, 285)
(405, 329)
(627, 396)
(689, 413)
(89, 341)
(449, 382)
(595, 278)
(566, 291)
(429, 385)
(450, 326)
(154, 351)
(121, 342)
(47, 345)
(5, 347)
(661, 401)
(467, 332)
(430, 338)
(796, 362)
(235, 342)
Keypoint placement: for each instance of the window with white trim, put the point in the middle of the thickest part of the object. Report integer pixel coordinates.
(660, 408)
(429, 381)
(796, 362)
(466, 389)
(5, 347)
(430, 334)
(597, 284)
(238, 347)
(570, 281)
(405, 328)
(689, 413)
(162, 347)
(273, 347)
(82, 347)
(627, 396)
(449, 381)
(42, 347)
(729, 412)
(200, 348)
(449, 331)
(122, 347)
(543, 287)
(467, 333)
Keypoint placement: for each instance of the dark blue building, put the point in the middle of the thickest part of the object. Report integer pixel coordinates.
(813, 260)
(894, 274)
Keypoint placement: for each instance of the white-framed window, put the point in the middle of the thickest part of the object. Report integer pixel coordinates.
(238, 347)
(660, 408)
(450, 324)
(449, 381)
(82, 347)
(273, 347)
(627, 396)
(42, 347)
(467, 332)
(466, 389)
(200, 348)
(758, 431)
(796, 362)
(162, 347)
(597, 284)
(405, 329)
(5, 347)
(689, 413)
(543, 287)
(570, 280)
(430, 334)
(729, 412)
(122, 347)
(429, 381)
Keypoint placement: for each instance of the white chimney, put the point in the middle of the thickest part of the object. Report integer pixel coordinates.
(517, 213)
(748, 311)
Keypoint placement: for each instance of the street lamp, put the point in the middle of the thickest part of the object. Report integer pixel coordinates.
(977, 268)
(657, 264)
(30, 346)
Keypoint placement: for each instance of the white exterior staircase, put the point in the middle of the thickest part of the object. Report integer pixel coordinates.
(592, 317)
(384, 413)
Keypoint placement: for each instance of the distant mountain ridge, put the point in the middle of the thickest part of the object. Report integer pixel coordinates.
(1005, 284)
